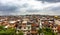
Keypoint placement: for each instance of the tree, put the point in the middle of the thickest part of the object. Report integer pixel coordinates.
(9, 31)
(20, 33)
(48, 31)
(40, 31)
(1, 28)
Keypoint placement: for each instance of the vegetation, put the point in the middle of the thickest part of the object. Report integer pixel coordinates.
(40, 31)
(46, 31)
(9, 31)
(12, 31)
(20, 33)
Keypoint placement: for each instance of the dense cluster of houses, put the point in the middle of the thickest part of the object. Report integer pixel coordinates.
(30, 24)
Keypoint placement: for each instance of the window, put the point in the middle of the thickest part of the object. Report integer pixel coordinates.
(28, 27)
(28, 34)
(20, 27)
(24, 30)
(28, 31)
(24, 27)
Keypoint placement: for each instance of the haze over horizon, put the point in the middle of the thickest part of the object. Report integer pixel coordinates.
(23, 7)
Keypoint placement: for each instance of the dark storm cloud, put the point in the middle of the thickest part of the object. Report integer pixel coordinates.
(7, 8)
(49, 0)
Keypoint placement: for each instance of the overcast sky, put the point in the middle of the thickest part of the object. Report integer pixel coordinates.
(22, 7)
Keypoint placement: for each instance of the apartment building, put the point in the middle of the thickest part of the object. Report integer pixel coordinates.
(45, 22)
(30, 25)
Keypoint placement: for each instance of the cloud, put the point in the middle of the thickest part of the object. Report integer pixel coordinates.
(53, 1)
(7, 8)
(18, 7)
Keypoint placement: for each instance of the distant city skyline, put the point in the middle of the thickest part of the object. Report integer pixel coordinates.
(23, 7)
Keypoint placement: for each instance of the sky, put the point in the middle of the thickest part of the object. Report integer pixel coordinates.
(23, 7)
